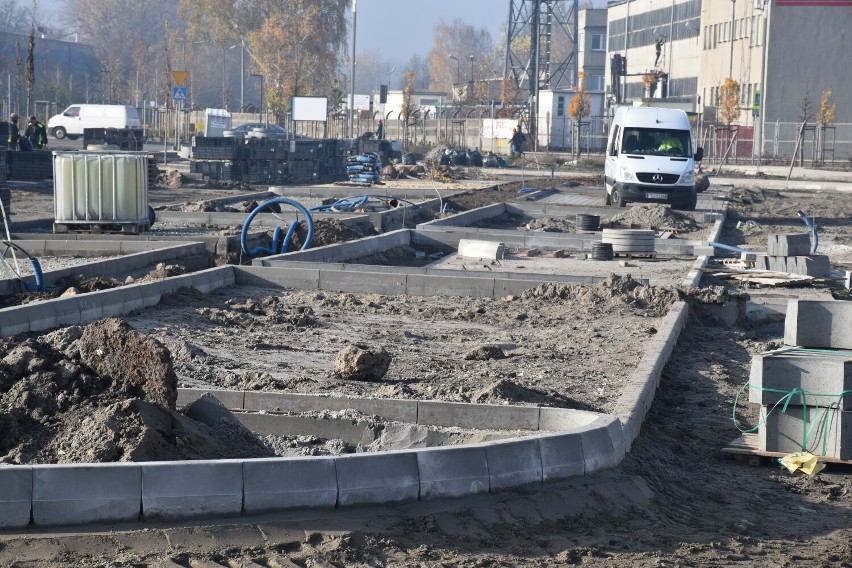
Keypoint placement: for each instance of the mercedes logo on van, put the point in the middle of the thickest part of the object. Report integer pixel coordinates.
(657, 178)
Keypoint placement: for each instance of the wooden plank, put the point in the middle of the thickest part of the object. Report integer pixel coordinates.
(746, 445)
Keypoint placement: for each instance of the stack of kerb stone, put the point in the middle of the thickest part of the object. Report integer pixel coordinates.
(805, 389)
(792, 253)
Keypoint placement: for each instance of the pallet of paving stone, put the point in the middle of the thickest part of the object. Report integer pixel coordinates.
(746, 446)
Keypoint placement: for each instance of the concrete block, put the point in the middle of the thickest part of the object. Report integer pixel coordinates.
(819, 324)
(42, 315)
(848, 279)
(513, 287)
(277, 484)
(619, 439)
(16, 495)
(231, 399)
(564, 419)
(823, 375)
(561, 455)
(67, 311)
(301, 278)
(794, 244)
(391, 409)
(355, 432)
(481, 249)
(480, 416)
(14, 321)
(600, 451)
(514, 462)
(816, 265)
(71, 494)
(91, 308)
(778, 263)
(367, 282)
(453, 471)
(428, 285)
(377, 478)
(822, 431)
(187, 490)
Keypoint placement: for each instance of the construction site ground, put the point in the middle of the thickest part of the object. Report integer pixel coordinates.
(675, 500)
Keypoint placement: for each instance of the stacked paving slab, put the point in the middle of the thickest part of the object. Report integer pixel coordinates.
(805, 390)
(792, 253)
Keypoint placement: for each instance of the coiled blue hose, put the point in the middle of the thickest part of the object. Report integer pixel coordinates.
(812, 227)
(278, 246)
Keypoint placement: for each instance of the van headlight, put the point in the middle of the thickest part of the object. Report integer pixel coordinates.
(627, 175)
(688, 178)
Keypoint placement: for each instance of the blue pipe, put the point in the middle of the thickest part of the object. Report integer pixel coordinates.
(277, 245)
(39, 277)
(812, 227)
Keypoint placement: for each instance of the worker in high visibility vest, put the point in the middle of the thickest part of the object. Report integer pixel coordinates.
(36, 133)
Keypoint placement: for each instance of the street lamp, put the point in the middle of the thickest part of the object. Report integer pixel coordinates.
(458, 69)
(352, 71)
(470, 89)
(261, 96)
(389, 76)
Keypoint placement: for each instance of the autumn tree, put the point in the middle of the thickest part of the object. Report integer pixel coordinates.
(294, 44)
(460, 40)
(116, 29)
(580, 108)
(729, 99)
(824, 117)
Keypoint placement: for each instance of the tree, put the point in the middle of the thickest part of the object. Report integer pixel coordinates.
(407, 110)
(460, 40)
(295, 44)
(580, 108)
(824, 117)
(805, 106)
(729, 97)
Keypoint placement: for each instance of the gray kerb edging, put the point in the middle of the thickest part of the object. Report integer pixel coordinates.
(568, 443)
(694, 277)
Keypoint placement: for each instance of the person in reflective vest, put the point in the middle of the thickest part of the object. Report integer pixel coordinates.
(36, 133)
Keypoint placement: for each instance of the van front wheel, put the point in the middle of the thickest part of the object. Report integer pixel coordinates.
(59, 133)
(617, 199)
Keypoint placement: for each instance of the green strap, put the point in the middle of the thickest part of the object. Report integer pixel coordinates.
(784, 402)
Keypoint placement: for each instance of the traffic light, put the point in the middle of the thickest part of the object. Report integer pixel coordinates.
(383, 94)
(623, 68)
(616, 64)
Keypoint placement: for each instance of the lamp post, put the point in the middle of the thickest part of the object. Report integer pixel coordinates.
(470, 88)
(458, 69)
(389, 76)
(261, 96)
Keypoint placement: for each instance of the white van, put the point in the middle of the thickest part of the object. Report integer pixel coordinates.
(650, 157)
(75, 118)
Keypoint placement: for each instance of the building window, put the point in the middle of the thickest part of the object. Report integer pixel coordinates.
(596, 83)
(560, 105)
(598, 42)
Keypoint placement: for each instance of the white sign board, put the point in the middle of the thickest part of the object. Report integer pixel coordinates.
(362, 102)
(309, 108)
(498, 128)
(216, 121)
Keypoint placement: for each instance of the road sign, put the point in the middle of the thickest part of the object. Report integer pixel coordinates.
(180, 77)
(179, 93)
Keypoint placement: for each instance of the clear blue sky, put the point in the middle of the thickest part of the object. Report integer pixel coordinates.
(399, 29)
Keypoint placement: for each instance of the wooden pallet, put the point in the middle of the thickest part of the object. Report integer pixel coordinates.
(746, 447)
(631, 255)
(127, 228)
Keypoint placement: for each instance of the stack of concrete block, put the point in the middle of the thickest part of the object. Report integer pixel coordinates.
(792, 253)
(818, 414)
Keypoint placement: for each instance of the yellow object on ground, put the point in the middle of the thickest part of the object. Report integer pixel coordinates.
(805, 462)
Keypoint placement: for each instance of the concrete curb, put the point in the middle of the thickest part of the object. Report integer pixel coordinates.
(562, 443)
(694, 277)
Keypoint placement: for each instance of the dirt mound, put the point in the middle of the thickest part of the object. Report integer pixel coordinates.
(102, 393)
(653, 215)
(169, 178)
(614, 290)
(550, 225)
(326, 232)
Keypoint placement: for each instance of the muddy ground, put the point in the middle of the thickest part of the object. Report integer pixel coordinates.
(676, 500)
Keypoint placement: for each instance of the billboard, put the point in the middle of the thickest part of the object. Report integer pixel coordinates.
(309, 108)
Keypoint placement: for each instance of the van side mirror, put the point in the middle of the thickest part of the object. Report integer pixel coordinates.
(612, 150)
(699, 154)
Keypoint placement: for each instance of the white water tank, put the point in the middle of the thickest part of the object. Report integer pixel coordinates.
(101, 188)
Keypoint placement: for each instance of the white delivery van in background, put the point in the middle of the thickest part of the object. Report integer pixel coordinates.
(75, 118)
(650, 158)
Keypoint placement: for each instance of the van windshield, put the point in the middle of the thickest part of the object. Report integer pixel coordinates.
(656, 142)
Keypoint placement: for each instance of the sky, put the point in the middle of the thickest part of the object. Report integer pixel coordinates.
(399, 29)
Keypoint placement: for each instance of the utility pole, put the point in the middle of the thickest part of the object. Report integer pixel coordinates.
(761, 104)
(352, 72)
(731, 38)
